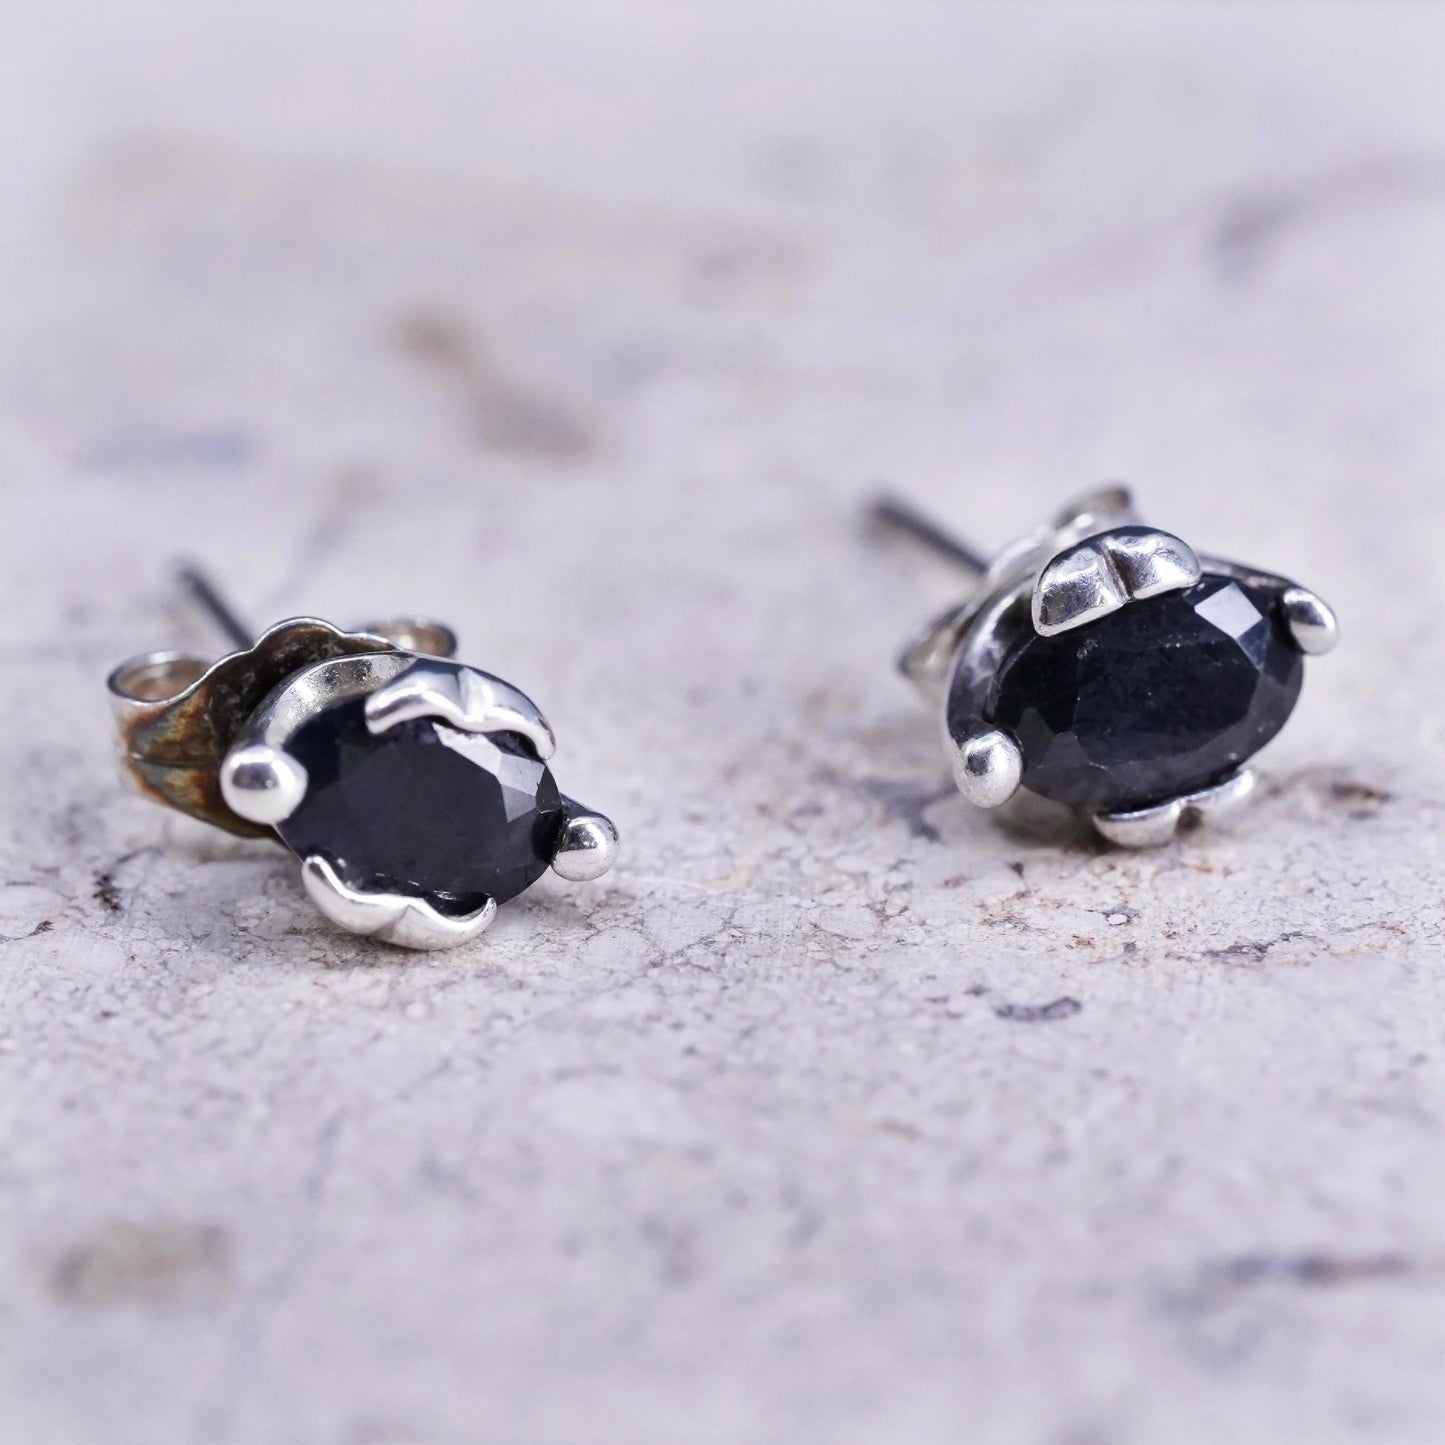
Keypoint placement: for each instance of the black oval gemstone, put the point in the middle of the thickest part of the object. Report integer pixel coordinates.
(1162, 698)
(423, 808)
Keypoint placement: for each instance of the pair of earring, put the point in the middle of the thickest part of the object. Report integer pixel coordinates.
(1098, 662)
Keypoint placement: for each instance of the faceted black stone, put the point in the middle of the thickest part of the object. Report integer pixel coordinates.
(423, 808)
(1164, 697)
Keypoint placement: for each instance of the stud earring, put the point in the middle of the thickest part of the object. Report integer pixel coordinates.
(414, 790)
(1108, 666)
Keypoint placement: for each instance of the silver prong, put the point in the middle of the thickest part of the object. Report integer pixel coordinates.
(262, 783)
(588, 846)
(1151, 827)
(391, 917)
(987, 766)
(1103, 573)
(1078, 587)
(1152, 563)
(1311, 622)
(473, 701)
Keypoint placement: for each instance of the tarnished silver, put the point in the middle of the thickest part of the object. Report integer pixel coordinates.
(211, 739)
(1094, 558)
(178, 715)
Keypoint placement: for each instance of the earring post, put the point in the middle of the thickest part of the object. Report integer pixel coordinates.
(897, 515)
(204, 593)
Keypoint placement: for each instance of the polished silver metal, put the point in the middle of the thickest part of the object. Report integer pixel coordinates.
(1151, 827)
(1311, 623)
(262, 783)
(987, 761)
(588, 846)
(1094, 558)
(395, 918)
(260, 780)
(469, 700)
(211, 739)
(1101, 574)
(988, 765)
(928, 660)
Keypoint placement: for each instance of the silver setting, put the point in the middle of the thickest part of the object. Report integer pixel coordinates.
(1096, 577)
(988, 765)
(588, 847)
(1311, 622)
(1078, 587)
(1153, 827)
(472, 701)
(929, 659)
(978, 655)
(211, 739)
(391, 917)
(259, 779)
(1092, 560)
(1152, 563)
(262, 783)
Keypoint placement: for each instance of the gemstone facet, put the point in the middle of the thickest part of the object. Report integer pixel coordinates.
(1164, 697)
(423, 808)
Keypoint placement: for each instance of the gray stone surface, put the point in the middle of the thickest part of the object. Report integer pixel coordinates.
(837, 1113)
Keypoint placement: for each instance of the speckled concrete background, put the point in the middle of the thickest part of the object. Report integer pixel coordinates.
(837, 1113)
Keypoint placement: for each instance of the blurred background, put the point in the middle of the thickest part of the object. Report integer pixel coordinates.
(590, 327)
(525, 251)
